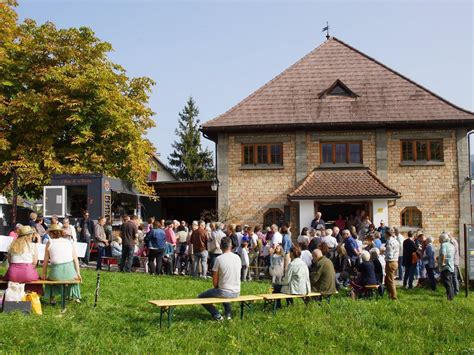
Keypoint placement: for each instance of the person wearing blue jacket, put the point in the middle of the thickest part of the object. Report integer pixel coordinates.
(156, 242)
(429, 261)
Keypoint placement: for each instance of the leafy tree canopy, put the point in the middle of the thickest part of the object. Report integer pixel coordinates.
(66, 108)
(188, 160)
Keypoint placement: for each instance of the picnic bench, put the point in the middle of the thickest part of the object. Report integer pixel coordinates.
(52, 283)
(272, 298)
(168, 306)
(370, 290)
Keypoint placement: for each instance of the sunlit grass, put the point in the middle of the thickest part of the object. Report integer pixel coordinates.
(123, 322)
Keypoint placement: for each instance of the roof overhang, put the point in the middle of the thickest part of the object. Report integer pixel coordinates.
(211, 132)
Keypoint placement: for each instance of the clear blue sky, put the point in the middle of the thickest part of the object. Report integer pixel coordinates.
(220, 52)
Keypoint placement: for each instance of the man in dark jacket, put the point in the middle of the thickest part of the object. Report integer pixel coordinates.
(129, 232)
(409, 260)
(199, 242)
(86, 234)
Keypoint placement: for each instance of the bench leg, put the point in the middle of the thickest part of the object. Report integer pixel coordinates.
(170, 315)
(243, 304)
(306, 300)
(63, 297)
(161, 315)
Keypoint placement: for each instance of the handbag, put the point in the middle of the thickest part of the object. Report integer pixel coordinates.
(34, 298)
(414, 257)
(15, 292)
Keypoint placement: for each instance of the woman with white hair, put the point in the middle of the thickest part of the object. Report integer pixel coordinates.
(429, 261)
(446, 264)
(365, 277)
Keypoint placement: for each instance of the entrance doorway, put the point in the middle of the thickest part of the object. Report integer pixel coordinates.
(331, 210)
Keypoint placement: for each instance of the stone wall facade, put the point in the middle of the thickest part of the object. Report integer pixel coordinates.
(252, 192)
(433, 189)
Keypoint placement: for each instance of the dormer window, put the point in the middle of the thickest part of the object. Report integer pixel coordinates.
(338, 89)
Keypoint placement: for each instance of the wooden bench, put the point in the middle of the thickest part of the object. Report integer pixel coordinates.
(168, 306)
(272, 298)
(52, 283)
(371, 289)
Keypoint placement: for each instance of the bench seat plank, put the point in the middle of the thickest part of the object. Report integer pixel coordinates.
(47, 282)
(282, 296)
(201, 301)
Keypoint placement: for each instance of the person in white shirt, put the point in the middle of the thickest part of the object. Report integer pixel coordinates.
(226, 280)
(330, 241)
(304, 236)
(244, 258)
(69, 230)
(61, 258)
(306, 255)
(277, 237)
(22, 258)
(400, 239)
(392, 248)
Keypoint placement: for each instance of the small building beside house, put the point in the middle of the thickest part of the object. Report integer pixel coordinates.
(339, 132)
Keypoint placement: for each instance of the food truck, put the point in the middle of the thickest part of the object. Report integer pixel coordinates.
(70, 194)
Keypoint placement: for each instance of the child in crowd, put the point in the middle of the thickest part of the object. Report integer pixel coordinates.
(276, 265)
(244, 258)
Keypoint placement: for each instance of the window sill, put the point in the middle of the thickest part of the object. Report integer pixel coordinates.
(422, 163)
(340, 165)
(262, 167)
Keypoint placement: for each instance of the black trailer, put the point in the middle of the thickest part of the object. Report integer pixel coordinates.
(99, 194)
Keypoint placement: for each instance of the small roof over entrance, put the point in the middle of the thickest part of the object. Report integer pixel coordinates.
(346, 184)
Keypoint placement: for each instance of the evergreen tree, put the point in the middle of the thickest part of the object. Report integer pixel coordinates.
(189, 161)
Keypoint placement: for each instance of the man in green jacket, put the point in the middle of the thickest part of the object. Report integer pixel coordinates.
(322, 275)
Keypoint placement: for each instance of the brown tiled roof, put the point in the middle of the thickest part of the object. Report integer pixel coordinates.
(344, 184)
(382, 96)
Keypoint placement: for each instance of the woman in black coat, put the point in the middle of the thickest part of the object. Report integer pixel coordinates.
(409, 260)
(366, 276)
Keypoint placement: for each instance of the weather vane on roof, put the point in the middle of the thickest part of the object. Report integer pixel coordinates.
(327, 30)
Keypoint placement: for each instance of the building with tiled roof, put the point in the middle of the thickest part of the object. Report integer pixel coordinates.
(339, 132)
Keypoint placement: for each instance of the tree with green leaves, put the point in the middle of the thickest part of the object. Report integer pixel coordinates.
(189, 161)
(66, 108)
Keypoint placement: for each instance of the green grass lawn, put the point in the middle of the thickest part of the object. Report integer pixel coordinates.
(123, 322)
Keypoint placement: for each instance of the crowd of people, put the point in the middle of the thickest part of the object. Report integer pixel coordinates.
(353, 253)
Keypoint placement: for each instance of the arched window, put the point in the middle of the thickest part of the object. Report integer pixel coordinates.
(273, 216)
(411, 217)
